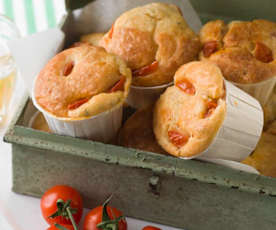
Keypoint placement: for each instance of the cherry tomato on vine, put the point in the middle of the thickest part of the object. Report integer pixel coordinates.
(150, 228)
(58, 201)
(104, 217)
(67, 226)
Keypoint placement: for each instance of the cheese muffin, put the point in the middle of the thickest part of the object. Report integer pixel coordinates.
(264, 157)
(270, 109)
(137, 132)
(81, 82)
(244, 51)
(189, 114)
(93, 38)
(154, 40)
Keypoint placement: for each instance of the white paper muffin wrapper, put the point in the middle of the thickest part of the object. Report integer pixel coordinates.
(261, 90)
(102, 127)
(140, 97)
(241, 129)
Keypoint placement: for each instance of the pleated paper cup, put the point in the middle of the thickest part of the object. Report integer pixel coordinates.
(102, 127)
(241, 129)
(261, 90)
(141, 97)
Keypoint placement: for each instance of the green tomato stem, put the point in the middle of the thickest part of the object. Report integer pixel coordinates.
(58, 226)
(71, 218)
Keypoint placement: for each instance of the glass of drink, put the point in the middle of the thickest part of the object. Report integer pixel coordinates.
(8, 71)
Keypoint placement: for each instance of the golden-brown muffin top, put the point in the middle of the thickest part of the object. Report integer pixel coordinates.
(189, 114)
(245, 51)
(154, 40)
(137, 132)
(81, 82)
(93, 38)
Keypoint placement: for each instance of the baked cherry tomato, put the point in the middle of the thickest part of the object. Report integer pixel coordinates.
(186, 87)
(177, 138)
(68, 68)
(263, 53)
(145, 70)
(67, 226)
(151, 228)
(209, 48)
(58, 201)
(77, 104)
(211, 106)
(104, 217)
(110, 34)
(119, 85)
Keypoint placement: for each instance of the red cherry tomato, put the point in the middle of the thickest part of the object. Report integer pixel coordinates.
(110, 34)
(145, 70)
(68, 227)
(211, 106)
(119, 85)
(263, 53)
(94, 217)
(68, 68)
(186, 87)
(177, 138)
(48, 204)
(77, 103)
(209, 48)
(151, 228)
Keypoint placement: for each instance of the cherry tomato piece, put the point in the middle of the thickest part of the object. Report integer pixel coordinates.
(177, 138)
(94, 217)
(77, 103)
(145, 70)
(68, 68)
(67, 226)
(110, 34)
(119, 85)
(48, 204)
(211, 106)
(263, 53)
(209, 48)
(151, 228)
(186, 87)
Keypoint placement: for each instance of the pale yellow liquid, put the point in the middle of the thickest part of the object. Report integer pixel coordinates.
(7, 83)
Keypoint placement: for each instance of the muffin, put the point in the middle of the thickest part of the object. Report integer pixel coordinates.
(272, 128)
(270, 109)
(137, 132)
(189, 114)
(264, 157)
(82, 82)
(154, 40)
(93, 38)
(39, 123)
(245, 51)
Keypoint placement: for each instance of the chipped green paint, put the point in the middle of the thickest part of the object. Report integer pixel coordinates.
(141, 180)
(186, 194)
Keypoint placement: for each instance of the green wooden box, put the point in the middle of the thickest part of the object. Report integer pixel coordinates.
(189, 194)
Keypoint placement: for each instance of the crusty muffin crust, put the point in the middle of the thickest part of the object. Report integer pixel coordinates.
(77, 82)
(92, 38)
(154, 39)
(245, 51)
(137, 132)
(188, 116)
